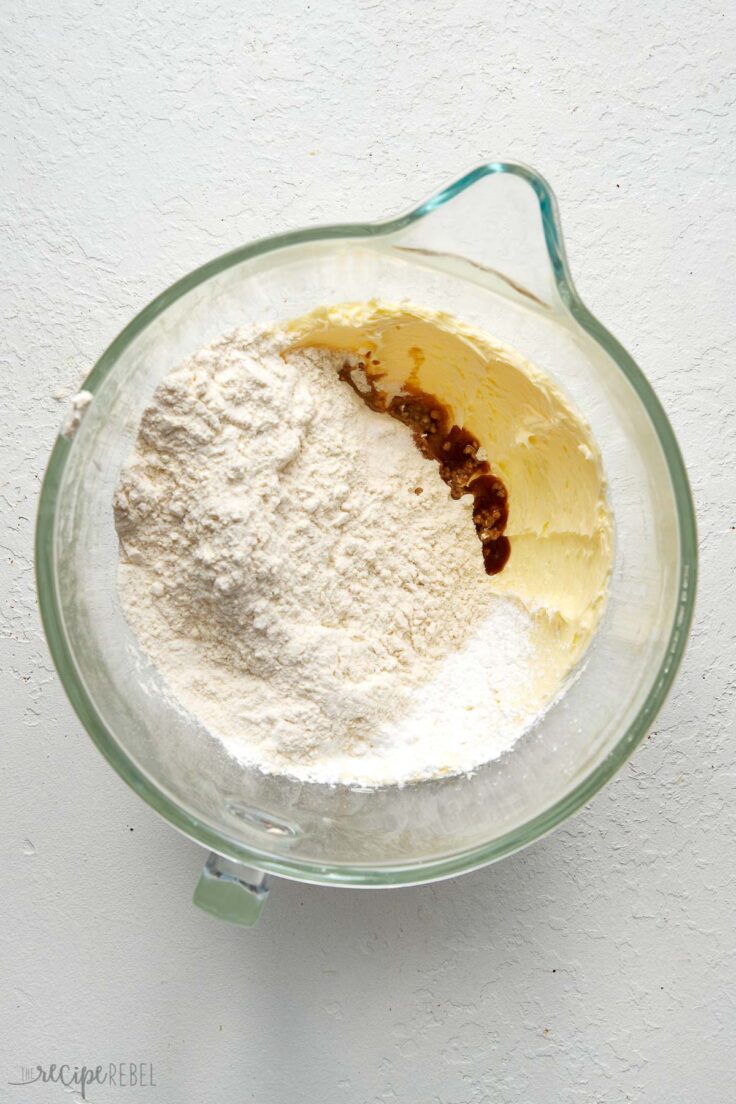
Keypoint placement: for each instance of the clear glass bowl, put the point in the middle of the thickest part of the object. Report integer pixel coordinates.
(489, 249)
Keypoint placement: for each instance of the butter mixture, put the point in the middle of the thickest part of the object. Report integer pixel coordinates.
(367, 547)
(559, 526)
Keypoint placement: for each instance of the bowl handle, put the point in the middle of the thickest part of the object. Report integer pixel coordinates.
(231, 891)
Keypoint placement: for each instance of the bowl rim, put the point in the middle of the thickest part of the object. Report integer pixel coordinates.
(413, 872)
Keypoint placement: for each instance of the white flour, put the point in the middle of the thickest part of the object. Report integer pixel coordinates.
(319, 616)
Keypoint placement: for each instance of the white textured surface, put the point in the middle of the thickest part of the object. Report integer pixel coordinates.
(141, 140)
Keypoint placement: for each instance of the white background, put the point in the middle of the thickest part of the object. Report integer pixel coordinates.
(141, 139)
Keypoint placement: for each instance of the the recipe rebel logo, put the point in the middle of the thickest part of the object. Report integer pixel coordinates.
(78, 1079)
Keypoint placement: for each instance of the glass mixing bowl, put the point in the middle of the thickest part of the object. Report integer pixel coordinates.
(488, 248)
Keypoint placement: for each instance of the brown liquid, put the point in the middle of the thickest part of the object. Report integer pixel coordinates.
(453, 447)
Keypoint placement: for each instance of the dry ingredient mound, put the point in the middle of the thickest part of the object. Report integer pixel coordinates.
(304, 582)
